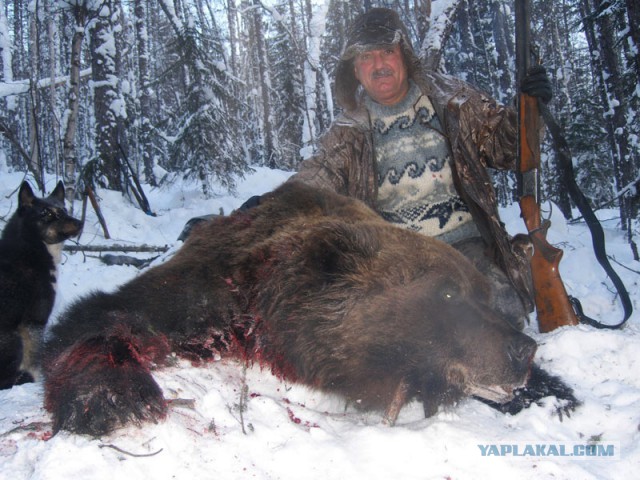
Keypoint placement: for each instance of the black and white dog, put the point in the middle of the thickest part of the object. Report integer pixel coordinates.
(30, 249)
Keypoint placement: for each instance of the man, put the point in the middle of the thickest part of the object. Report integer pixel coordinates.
(415, 146)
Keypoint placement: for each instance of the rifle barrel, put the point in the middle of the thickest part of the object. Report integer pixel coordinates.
(523, 38)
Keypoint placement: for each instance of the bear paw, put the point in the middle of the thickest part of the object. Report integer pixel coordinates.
(94, 390)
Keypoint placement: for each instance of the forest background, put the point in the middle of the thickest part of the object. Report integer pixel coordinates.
(94, 91)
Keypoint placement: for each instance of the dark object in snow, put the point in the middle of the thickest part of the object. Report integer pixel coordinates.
(116, 248)
(186, 231)
(251, 202)
(312, 285)
(30, 250)
(110, 259)
(540, 385)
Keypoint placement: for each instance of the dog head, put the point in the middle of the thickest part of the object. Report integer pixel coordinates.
(47, 215)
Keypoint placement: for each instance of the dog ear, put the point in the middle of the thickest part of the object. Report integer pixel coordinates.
(26, 196)
(58, 192)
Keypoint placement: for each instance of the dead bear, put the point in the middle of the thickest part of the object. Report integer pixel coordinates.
(313, 285)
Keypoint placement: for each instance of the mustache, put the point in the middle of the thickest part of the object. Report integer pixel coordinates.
(381, 73)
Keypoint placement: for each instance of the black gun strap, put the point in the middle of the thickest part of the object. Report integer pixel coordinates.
(597, 234)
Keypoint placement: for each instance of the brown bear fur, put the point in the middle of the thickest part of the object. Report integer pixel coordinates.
(311, 284)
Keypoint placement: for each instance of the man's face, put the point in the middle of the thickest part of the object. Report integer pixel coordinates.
(383, 74)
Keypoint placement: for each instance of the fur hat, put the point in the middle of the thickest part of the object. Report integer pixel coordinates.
(374, 29)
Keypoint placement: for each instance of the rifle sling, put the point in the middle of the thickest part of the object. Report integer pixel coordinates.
(597, 233)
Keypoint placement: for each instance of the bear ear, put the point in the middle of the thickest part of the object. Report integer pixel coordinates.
(338, 249)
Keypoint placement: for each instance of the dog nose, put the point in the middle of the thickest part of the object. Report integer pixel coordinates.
(521, 350)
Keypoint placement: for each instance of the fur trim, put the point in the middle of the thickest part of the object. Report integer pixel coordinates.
(374, 29)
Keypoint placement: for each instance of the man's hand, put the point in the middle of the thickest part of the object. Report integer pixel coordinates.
(537, 84)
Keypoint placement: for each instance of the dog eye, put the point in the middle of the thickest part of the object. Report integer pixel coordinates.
(47, 214)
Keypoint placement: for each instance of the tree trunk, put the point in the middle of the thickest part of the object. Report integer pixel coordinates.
(69, 158)
(504, 49)
(555, 59)
(265, 86)
(9, 103)
(618, 106)
(232, 18)
(35, 162)
(437, 35)
(144, 139)
(468, 47)
(107, 101)
(633, 15)
(603, 49)
(311, 67)
(52, 45)
(422, 12)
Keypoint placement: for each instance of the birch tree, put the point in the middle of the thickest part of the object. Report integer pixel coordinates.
(263, 82)
(35, 162)
(144, 98)
(80, 15)
(6, 58)
(9, 103)
(312, 67)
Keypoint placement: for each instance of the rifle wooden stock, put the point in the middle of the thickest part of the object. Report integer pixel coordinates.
(553, 306)
(552, 302)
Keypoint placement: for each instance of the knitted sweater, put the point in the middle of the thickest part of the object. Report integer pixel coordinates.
(416, 189)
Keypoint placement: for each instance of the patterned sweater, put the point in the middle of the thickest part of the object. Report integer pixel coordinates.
(416, 189)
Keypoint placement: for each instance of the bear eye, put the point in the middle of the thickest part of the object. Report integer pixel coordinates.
(449, 291)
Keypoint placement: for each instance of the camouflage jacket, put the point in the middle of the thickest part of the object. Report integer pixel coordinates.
(481, 134)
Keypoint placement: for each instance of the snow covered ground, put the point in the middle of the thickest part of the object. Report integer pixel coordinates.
(247, 424)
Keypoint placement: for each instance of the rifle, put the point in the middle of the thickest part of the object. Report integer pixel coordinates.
(553, 306)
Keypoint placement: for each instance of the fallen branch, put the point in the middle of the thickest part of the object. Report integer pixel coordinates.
(28, 427)
(182, 402)
(118, 449)
(116, 248)
(137, 190)
(94, 202)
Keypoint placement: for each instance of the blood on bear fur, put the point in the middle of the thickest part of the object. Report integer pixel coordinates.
(313, 285)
